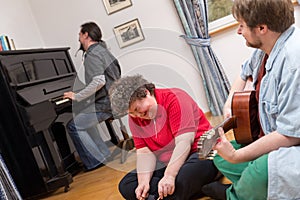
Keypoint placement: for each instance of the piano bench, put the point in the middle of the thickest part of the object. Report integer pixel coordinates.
(124, 145)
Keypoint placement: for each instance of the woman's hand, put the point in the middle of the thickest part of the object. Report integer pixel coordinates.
(145, 164)
(166, 186)
(142, 190)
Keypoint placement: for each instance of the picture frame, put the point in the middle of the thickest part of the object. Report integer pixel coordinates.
(113, 6)
(129, 33)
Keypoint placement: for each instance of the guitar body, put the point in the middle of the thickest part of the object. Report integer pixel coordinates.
(244, 123)
(244, 108)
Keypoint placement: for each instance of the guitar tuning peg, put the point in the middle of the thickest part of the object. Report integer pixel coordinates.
(209, 137)
(212, 153)
(210, 158)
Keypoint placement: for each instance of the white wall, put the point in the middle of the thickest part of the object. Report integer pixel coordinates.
(231, 50)
(17, 21)
(162, 57)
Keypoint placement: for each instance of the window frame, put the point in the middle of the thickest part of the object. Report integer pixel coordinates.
(228, 22)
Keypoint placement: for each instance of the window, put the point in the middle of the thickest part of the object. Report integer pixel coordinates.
(219, 13)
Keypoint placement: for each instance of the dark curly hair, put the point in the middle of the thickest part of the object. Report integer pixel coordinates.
(126, 90)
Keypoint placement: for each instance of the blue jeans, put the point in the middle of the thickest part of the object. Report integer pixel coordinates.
(91, 148)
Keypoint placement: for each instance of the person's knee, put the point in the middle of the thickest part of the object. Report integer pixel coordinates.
(254, 178)
(122, 188)
(185, 184)
(257, 172)
(71, 126)
(126, 190)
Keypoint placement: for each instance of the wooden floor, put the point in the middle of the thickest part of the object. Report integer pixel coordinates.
(102, 183)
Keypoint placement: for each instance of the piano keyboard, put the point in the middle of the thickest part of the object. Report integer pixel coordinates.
(61, 101)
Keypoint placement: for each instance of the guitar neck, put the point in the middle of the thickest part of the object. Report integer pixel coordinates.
(209, 138)
(243, 122)
(227, 124)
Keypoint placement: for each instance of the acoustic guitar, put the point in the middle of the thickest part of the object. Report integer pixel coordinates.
(244, 122)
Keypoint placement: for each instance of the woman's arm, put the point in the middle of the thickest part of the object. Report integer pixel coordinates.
(181, 151)
(146, 162)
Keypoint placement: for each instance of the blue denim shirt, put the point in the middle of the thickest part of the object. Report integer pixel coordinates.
(279, 96)
(279, 108)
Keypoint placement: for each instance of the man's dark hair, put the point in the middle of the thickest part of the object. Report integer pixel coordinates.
(93, 31)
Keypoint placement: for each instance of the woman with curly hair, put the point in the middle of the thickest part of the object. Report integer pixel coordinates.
(166, 125)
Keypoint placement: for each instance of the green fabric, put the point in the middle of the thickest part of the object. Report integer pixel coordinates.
(249, 179)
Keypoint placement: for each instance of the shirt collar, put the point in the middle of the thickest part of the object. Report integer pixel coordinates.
(278, 46)
(91, 47)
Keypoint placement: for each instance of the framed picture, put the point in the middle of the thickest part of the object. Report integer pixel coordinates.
(112, 6)
(129, 33)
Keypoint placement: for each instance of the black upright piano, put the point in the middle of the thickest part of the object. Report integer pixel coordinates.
(33, 141)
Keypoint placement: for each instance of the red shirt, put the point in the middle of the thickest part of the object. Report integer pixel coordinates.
(177, 114)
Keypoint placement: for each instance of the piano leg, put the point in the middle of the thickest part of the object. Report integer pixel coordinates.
(63, 178)
(67, 156)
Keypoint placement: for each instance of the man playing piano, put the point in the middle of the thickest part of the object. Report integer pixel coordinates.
(101, 69)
